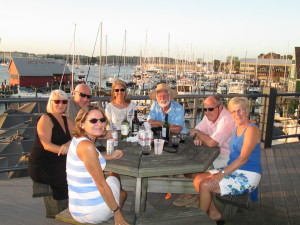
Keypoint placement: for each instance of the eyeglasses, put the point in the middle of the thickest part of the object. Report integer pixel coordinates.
(60, 101)
(94, 120)
(239, 111)
(117, 90)
(84, 95)
(210, 109)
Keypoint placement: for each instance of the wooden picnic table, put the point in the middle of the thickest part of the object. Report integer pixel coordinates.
(188, 159)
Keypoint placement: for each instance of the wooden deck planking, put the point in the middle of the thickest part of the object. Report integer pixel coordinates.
(279, 189)
(279, 195)
(290, 182)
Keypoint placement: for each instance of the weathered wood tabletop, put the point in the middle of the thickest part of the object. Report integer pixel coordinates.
(188, 159)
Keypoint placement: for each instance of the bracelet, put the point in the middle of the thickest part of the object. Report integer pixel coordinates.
(113, 211)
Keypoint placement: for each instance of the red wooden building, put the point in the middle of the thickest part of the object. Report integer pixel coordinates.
(37, 72)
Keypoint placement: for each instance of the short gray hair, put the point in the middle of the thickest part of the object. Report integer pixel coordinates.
(241, 101)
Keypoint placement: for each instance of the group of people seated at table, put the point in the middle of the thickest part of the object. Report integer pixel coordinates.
(65, 157)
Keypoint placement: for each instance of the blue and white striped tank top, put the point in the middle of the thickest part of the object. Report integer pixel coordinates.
(84, 195)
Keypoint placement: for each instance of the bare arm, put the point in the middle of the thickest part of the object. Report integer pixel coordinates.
(155, 123)
(175, 129)
(251, 138)
(117, 154)
(202, 138)
(87, 153)
(44, 130)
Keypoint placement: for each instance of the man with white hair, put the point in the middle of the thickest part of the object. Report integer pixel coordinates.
(163, 105)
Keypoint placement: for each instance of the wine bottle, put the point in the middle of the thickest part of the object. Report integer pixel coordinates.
(125, 127)
(165, 134)
(135, 124)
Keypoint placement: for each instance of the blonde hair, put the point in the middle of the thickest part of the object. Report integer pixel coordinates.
(81, 117)
(121, 83)
(241, 101)
(53, 96)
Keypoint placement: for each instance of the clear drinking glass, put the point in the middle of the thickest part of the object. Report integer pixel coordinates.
(175, 141)
(146, 149)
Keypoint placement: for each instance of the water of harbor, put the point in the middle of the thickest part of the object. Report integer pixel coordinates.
(92, 73)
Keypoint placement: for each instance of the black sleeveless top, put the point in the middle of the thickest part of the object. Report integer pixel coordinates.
(47, 167)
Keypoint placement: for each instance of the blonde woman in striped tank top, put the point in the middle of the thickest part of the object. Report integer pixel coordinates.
(92, 198)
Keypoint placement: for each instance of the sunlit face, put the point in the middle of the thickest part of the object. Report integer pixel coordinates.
(80, 91)
(59, 104)
(91, 128)
(163, 98)
(119, 92)
(211, 109)
(239, 114)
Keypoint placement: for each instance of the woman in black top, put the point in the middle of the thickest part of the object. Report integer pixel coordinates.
(47, 160)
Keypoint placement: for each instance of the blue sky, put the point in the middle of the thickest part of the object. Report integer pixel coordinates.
(197, 28)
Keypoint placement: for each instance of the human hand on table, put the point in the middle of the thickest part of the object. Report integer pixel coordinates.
(175, 129)
(117, 154)
(197, 142)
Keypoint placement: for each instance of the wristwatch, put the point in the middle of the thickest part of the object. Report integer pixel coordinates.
(196, 132)
(223, 172)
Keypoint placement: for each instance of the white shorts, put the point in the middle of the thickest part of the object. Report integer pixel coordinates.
(238, 182)
(103, 212)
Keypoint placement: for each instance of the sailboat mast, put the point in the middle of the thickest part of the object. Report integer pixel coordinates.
(256, 78)
(105, 49)
(73, 60)
(125, 49)
(168, 54)
(100, 58)
(245, 66)
(286, 58)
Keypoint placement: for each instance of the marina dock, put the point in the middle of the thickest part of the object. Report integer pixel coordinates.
(278, 204)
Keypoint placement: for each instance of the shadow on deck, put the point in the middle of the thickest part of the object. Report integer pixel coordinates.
(279, 198)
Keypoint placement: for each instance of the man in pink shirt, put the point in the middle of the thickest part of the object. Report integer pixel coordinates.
(215, 129)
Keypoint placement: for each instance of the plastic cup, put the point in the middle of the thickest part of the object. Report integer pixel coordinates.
(158, 146)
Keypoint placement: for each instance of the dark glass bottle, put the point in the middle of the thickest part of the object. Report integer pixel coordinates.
(135, 124)
(165, 134)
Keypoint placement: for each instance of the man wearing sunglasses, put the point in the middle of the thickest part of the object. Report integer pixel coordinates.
(81, 97)
(215, 129)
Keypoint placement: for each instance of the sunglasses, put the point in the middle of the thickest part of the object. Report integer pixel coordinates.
(117, 90)
(94, 120)
(210, 109)
(84, 95)
(239, 111)
(60, 101)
